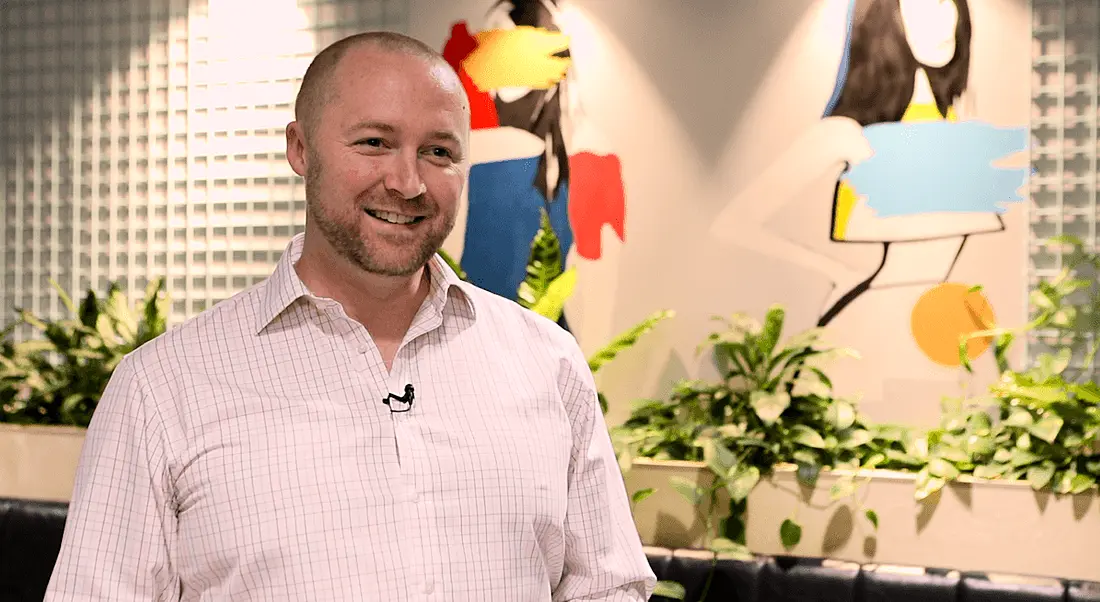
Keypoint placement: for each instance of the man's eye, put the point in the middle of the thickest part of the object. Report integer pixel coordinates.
(375, 142)
(441, 152)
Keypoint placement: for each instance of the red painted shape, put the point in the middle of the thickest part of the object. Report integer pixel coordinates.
(483, 112)
(596, 197)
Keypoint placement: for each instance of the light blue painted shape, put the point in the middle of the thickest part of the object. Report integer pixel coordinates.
(939, 166)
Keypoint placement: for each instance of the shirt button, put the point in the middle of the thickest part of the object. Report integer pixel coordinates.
(429, 587)
(363, 349)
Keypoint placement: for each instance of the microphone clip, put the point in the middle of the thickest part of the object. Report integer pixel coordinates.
(406, 399)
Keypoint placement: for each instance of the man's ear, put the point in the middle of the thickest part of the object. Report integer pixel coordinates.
(296, 147)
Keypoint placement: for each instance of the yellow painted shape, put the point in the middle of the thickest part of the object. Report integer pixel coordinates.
(845, 201)
(927, 111)
(517, 58)
(943, 315)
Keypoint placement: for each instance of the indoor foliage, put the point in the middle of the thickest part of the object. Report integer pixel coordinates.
(1048, 415)
(57, 378)
(773, 405)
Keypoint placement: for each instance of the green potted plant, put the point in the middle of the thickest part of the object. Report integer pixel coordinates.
(772, 407)
(51, 382)
(1007, 479)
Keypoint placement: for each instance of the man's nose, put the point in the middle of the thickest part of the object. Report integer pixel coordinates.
(404, 175)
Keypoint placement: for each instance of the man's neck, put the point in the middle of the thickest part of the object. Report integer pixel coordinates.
(385, 305)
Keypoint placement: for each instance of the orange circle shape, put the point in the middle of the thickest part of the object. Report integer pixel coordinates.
(943, 315)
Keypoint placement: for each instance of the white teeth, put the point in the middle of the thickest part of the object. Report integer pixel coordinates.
(393, 218)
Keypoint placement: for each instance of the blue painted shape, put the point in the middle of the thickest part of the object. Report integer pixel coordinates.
(502, 220)
(845, 61)
(939, 166)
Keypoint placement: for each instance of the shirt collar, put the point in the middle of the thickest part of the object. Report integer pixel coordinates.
(284, 287)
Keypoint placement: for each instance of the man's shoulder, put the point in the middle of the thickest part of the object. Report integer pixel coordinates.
(225, 325)
(512, 319)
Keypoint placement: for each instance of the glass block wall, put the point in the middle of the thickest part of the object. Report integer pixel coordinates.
(145, 138)
(1065, 146)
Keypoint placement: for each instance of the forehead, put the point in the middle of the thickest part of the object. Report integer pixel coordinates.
(404, 91)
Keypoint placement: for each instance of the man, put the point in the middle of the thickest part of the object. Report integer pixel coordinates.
(362, 425)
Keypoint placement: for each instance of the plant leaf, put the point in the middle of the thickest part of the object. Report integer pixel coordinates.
(1024, 441)
(1019, 417)
(790, 533)
(670, 589)
(66, 300)
(626, 340)
(773, 327)
(842, 488)
(808, 474)
(807, 436)
(951, 450)
(741, 481)
(873, 517)
(728, 547)
(810, 385)
(1089, 392)
(33, 347)
(855, 439)
(979, 446)
(1047, 427)
(1039, 476)
(989, 471)
(841, 414)
(1021, 457)
(118, 308)
(687, 489)
(552, 303)
(927, 484)
(641, 495)
(938, 467)
(1048, 394)
(544, 264)
(769, 406)
(718, 457)
(1081, 483)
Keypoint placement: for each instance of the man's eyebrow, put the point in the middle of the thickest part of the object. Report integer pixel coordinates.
(445, 136)
(373, 125)
(438, 135)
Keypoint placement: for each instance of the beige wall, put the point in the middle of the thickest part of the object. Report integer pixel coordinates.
(699, 98)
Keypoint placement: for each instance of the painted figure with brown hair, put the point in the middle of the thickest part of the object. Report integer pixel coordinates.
(910, 170)
(531, 151)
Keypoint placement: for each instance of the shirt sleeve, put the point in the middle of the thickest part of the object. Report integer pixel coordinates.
(121, 523)
(604, 559)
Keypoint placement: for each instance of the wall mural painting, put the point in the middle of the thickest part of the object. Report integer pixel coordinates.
(917, 174)
(516, 71)
(930, 175)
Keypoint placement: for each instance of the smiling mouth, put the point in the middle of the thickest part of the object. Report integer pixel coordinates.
(395, 218)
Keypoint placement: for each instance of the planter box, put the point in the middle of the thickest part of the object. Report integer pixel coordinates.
(39, 462)
(666, 519)
(970, 525)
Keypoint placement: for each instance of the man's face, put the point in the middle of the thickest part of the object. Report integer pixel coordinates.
(385, 162)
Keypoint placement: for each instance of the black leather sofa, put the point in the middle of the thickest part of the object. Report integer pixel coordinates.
(30, 536)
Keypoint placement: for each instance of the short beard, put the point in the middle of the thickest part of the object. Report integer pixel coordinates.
(345, 238)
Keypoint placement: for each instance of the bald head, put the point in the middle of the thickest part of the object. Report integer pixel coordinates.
(316, 86)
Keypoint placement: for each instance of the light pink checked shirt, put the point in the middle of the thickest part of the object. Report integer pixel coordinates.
(247, 455)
